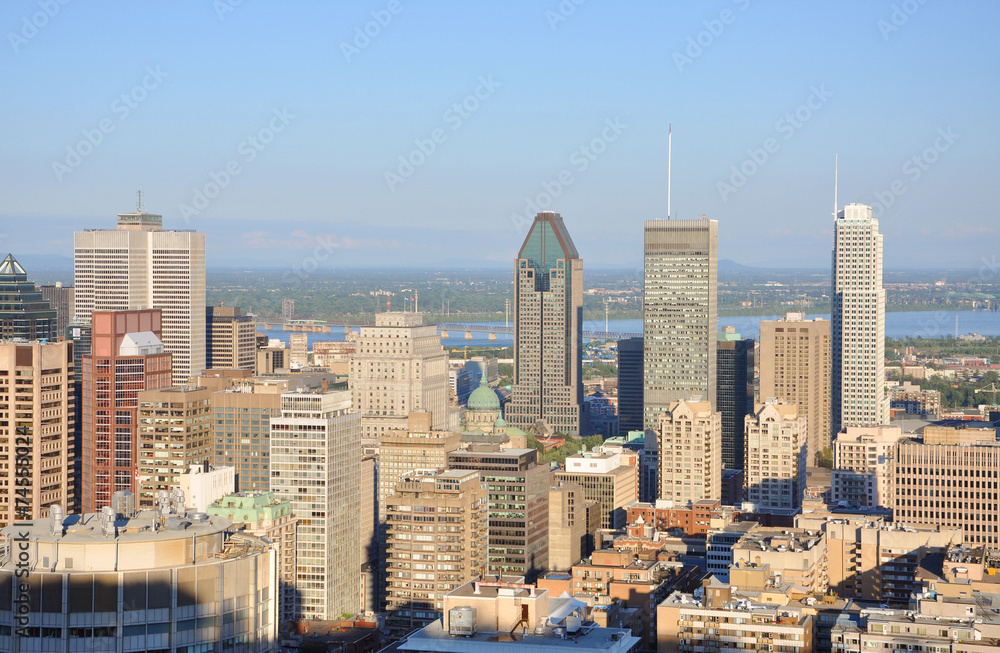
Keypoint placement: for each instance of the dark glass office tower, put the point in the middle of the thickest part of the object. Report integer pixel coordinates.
(630, 385)
(23, 312)
(734, 392)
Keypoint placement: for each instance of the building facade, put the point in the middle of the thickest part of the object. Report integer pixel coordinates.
(863, 465)
(24, 312)
(775, 476)
(139, 265)
(399, 366)
(606, 480)
(690, 448)
(230, 339)
(630, 357)
(60, 299)
(316, 466)
(679, 313)
(858, 321)
(548, 330)
(733, 391)
(795, 366)
(241, 431)
(36, 392)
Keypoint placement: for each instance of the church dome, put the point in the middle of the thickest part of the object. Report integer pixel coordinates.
(483, 398)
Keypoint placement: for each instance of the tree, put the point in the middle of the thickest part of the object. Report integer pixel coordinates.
(825, 458)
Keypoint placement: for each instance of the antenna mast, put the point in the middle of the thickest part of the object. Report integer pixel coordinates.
(670, 130)
(138, 202)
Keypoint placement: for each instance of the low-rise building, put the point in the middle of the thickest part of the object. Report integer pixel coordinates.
(910, 399)
(792, 556)
(604, 479)
(691, 519)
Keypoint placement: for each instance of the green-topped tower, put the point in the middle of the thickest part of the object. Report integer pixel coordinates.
(548, 336)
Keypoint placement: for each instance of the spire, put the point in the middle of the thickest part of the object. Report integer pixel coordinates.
(10, 266)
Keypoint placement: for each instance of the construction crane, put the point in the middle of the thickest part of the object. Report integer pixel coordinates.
(990, 388)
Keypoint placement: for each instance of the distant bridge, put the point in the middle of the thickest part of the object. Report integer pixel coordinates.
(471, 328)
(318, 326)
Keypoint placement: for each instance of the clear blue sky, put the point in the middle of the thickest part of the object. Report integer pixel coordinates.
(880, 92)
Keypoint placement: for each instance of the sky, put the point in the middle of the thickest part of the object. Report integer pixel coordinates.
(397, 133)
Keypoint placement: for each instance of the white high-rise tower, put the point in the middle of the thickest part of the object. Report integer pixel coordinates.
(139, 265)
(858, 321)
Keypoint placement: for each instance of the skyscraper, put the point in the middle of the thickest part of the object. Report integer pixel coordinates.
(399, 367)
(548, 330)
(231, 339)
(795, 366)
(734, 392)
(690, 452)
(630, 385)
(858, 321)
(175, 432)
(316, 464)
(139, 265)
(23, 311)
(775, 476)
(679, 313)
(60, 298)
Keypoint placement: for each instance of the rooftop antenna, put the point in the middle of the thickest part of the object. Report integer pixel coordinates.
(670, 137)
(836, 167)
(138, 202)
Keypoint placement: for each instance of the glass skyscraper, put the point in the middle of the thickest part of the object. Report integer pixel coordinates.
(23, 311)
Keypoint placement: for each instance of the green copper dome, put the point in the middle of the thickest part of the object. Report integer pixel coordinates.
(500, 423)
(483, 398)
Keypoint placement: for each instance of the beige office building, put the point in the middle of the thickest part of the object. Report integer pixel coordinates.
(570, 535)
(139, 265)
(316, 465)
(858, 390)
(681, 265)
(791, 556)
(949, 478)
(863, 465)
(548, 335)
(690, 449)
(298, 345)
(241, 430)
(231, 339)
(435, 542)
(606, 480)
(795, 366)
(37, 415)
(775, 476)
(398, 367)
(175, 432)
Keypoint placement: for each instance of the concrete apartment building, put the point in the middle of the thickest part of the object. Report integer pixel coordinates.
(448, 509)
(415, 448)
(398, 367)
(687, 625)
(948, 478)
(298, 348)
(910, 399)
(548, 330)
(316, 466)
(863, 465)
(604, 479)
(263, 515)
(230, 339)
(519, 506)
(857, 323)
(126, 358)
(163, 580)
(775, 476)
(571, 531)
(175, 432)
(38, 414)
(681, 270)
(792, 556)
(241, 430)
(795, 365)
(690, 448)
(139, 265)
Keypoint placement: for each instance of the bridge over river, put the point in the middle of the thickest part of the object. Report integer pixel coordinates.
(318, 326)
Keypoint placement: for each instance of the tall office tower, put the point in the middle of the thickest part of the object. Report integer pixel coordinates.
(241, 430)
(858, 321)
(681, 268)
(863, 465)
(939, 480)
(420, 570)
(230, 339)
(570, 537)
(630, 385)
(175, 432)
(605, 478)
(23, 311)
(263, 515)
(36, 392)
(795, 360)
(548, 330)
(126, 358)
(60, 299)
(733, 392)
(139, 265)
(371, 560)
(775, 475)
(287, 310)
(690, 446)
(298, 345)
(398, 367)
(316, 464)
(519, 507)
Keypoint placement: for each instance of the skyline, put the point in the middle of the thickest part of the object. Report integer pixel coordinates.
(299, 130)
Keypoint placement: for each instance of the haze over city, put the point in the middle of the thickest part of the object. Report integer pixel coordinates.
(399, 134)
